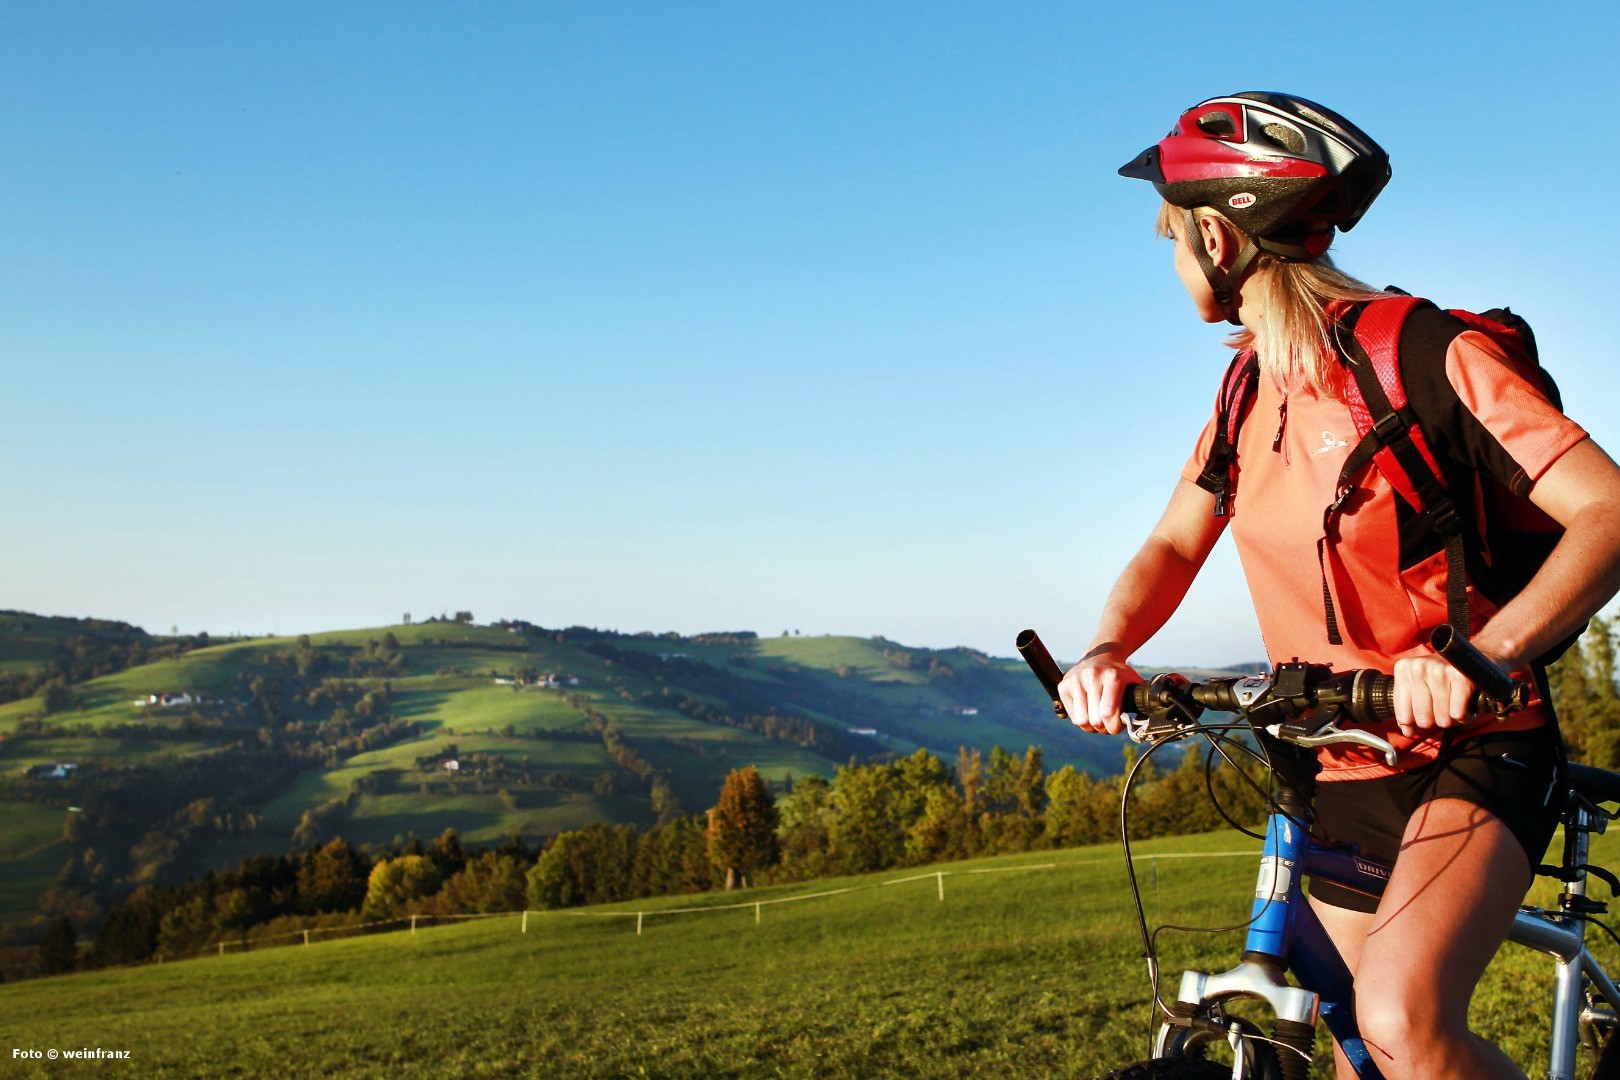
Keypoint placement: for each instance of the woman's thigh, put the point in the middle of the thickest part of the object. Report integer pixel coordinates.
(1451, 899)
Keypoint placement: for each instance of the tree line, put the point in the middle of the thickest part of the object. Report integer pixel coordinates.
(908, 812)
(1584, 695)
(879, 816)
(132, 823)
(102, 647)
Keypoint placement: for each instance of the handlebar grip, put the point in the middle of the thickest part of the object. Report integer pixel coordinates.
(1033, 650)
(1046, 669)
(1137, 699)
(1501, 691)
(1380, 699)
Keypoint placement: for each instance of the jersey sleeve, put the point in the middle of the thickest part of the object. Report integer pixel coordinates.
(1477, 403)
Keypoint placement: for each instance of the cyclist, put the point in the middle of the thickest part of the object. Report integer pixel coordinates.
(1253, 188)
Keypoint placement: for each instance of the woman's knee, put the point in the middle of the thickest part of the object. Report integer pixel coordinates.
(1407, 1026)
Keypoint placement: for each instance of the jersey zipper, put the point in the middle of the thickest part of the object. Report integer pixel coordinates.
(1277, 445)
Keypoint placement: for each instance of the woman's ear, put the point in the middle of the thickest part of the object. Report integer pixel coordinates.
(1218, 241)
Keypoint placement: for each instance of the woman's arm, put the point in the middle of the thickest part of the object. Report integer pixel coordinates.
(1580, 491)
(1147, 593)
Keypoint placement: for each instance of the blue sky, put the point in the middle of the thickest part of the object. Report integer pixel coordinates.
(827, 317)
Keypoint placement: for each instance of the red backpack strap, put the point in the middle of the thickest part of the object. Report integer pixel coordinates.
(1238, 387)
(1392, 440)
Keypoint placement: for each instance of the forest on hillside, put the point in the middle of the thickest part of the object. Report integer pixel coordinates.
(913, 811)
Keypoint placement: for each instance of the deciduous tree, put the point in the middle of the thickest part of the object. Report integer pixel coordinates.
(397, 883)
(742, 826)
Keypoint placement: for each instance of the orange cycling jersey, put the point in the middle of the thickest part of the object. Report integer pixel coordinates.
(1385, 568)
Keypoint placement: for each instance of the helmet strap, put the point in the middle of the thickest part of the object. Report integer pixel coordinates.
(1223, 283)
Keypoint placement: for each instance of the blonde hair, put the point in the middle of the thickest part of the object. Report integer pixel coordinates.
(1294, 341)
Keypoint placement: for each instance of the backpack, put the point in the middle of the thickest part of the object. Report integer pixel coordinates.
(1511, 539)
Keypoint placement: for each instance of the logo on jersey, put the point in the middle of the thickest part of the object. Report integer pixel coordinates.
(1329, 443)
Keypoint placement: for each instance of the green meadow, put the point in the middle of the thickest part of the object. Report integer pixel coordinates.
(1029, 966)
(555, 772)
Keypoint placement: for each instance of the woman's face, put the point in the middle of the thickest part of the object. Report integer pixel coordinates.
(1192, 275)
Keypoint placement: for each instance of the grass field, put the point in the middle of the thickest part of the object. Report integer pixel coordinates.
(1030, 970)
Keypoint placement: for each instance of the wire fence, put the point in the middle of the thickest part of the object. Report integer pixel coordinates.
(311, 935)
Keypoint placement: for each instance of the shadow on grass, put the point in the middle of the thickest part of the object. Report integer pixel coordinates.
(419, 704)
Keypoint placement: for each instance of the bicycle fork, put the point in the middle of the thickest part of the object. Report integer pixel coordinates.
(1283, 933)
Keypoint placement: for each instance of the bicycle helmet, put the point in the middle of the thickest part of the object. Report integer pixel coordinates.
(1283, 169)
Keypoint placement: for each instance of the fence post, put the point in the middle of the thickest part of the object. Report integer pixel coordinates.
(306, 939)
(525, 929)
(756, 914)
(222, 948)
(638, 924)
(940, 876)
(413, 924)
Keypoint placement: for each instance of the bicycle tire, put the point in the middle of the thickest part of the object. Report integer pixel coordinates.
(1608, 1062)
(1184, 1060)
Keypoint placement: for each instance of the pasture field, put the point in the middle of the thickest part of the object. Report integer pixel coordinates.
(276, 695)
(1030, 969)
(469, 703)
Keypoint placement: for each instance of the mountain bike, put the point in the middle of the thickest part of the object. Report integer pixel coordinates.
(1288, 966)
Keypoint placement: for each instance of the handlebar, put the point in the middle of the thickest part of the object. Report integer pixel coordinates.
(1293, 691)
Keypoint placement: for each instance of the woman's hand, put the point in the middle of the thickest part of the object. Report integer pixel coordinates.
(1430, 694)
(1093, 689)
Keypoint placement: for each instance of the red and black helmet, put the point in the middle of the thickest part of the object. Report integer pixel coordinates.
(1285, 170)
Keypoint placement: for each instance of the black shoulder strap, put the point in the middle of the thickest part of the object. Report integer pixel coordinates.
(1238, 388)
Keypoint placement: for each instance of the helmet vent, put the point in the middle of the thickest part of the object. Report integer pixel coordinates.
(1284, 136)
(1218, 123)
(1315, 117)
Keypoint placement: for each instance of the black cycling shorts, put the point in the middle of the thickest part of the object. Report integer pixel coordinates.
(1513, 775)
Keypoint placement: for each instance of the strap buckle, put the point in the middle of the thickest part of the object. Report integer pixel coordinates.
(1447, 522)
(1389, 427)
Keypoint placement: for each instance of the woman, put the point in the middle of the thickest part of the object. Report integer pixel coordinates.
(1254, 187)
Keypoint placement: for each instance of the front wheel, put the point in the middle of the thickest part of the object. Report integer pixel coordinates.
(1184, 1060)
(1172, 1069)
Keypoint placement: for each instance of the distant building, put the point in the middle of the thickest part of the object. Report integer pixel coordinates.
(57, 771)
(556, 680)
(452, 765)
(863, 731)
(168, 700)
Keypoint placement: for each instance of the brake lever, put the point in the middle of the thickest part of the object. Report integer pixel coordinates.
(1331, 733)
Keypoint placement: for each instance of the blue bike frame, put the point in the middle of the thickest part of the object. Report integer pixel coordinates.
(1284, 933)
(1284, 925)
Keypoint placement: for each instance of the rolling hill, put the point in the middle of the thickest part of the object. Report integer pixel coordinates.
(190, 754)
